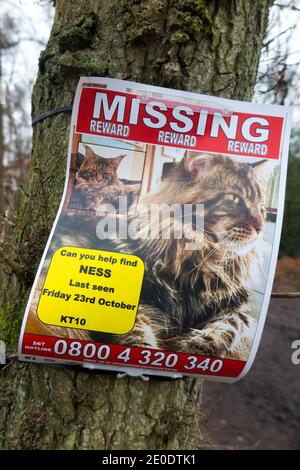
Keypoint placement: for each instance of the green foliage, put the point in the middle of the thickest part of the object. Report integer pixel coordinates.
(290, 239)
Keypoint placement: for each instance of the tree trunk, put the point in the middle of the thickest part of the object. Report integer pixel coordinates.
(207, 46)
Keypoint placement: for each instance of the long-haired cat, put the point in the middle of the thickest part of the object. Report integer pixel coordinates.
(196, 301)
(97, 183)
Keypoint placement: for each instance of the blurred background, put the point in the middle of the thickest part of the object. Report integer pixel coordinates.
(263, 410)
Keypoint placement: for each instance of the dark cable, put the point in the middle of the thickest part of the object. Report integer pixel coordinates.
(52, 112)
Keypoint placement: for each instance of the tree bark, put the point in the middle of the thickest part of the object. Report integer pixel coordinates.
(207, 46)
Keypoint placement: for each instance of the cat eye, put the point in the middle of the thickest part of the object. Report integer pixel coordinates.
(233, 199)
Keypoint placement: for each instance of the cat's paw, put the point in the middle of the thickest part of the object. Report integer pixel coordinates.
(230, 337)
(202, 342)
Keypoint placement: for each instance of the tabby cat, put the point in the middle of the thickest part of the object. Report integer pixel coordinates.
(97, 183)
(197, 301)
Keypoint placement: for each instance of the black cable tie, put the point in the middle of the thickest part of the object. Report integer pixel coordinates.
(52, 112)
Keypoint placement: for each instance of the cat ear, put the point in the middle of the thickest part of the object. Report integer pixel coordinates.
(89, 153)
(261, 168)
(194, 164)
(259, 163)
(186, 161)
(115, 161)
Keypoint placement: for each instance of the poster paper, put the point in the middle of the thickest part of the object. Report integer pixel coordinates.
(162, 255)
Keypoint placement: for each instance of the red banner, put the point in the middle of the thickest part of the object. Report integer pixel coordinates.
(171, 123)
(100, 353)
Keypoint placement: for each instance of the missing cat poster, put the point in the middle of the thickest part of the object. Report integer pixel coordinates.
(162, 255)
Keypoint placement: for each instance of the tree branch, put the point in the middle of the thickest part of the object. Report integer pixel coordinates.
(289, 7)
(269, 41)
(285, 295)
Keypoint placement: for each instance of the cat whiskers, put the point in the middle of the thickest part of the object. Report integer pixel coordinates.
(226, 248)
(228, 269)
(216, 247)
(202, 229)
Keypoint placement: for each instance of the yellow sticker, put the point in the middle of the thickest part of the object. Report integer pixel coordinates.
(91, 290)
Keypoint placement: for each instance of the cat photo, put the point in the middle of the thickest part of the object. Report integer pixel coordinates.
(163, 251)
(97, 186)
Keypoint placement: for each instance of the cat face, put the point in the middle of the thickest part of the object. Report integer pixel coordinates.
(97, 169)
(234, 212)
